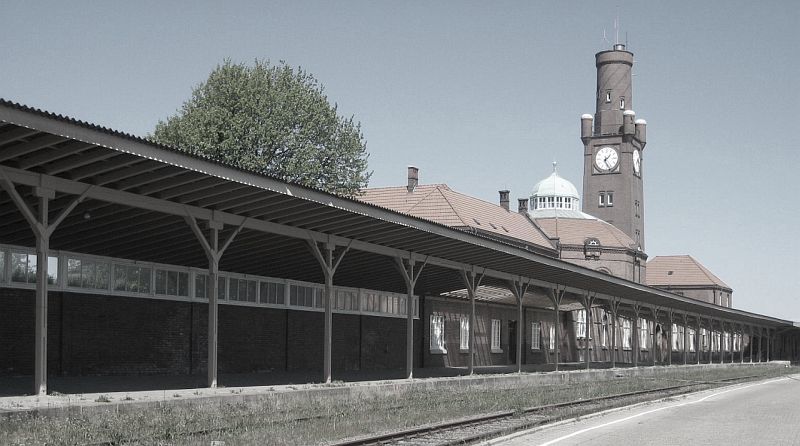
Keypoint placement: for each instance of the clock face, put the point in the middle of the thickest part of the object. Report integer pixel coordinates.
(606, 158)
(637, 162)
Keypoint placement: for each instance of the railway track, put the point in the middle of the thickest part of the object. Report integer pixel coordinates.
(483, 427)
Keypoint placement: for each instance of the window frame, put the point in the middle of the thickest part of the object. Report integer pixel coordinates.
(464, 334)
(536, 336)
(440, 346)
(496, 345)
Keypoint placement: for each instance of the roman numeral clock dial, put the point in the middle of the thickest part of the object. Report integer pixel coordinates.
(606, 159)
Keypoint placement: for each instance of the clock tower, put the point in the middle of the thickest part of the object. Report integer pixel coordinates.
(613, 146)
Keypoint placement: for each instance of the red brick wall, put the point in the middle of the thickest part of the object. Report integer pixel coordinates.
(94, 334)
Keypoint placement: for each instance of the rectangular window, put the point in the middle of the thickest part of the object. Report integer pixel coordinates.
(496, 336)
(601, 199)
(23, 268)
(437, 334)
(88, 274)
(172, 283)
(604, 330)
(346, 300)
(559, 202)
(464, 335)
(580, 324)
(692, 335)
(626, 334)
(643, 334)
(675, 338)
(608, 96)
(132, 279)
(221, 287)
(536, 335)
(622, 103)
(200, 286)
(551, 202)
(551, 335)
(609, 199)
(271, 293)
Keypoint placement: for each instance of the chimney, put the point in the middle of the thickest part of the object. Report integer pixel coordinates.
(504, 199)
(523, 205)
(413, 178)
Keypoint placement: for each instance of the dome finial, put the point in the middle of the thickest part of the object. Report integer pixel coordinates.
(555, 165)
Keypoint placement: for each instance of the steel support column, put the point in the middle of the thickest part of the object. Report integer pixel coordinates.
(518, 288)
(671, 318)
(769, 344)
(472, 280)
(410, 272)
(587, 298)
(213, 255)
(329, 264)
(614, 304)
(698, 342)
(711, 338)
(42, 230)
(685, 318)
(637, 309)
(656, 348)
(556, 295)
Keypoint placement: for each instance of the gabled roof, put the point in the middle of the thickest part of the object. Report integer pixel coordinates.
(575, 231)
(680, 271)
(439, 203)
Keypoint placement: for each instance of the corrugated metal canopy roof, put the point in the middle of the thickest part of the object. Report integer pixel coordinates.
(67, 152)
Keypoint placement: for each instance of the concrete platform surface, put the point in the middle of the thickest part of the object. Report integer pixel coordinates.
(764, 412)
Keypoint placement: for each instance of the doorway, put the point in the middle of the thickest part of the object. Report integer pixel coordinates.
(512, 342)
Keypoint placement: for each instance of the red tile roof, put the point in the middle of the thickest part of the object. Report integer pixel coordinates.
(680, 271)
(575, 231)
(439, 203)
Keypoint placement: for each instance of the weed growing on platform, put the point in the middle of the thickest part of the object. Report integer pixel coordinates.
(319, 417)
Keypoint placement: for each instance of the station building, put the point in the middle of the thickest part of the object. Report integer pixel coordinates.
(121, 256)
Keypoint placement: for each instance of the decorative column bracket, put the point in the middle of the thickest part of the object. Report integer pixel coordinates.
(410, 272)
(472, 280)
(518, 288)
(329, 265)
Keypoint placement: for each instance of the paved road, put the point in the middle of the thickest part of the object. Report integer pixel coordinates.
(767, 412)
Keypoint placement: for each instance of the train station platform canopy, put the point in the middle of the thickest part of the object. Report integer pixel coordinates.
(135, 196)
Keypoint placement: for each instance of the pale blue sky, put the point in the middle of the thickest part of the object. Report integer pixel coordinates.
(482, 96)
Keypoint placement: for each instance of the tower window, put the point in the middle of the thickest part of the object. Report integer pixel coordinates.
(608, 95)
(609, 199)
(601, 199)
(622, 103)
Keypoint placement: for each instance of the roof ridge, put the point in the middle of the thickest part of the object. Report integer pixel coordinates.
(421, 199)
(711, 276)
(453, 208)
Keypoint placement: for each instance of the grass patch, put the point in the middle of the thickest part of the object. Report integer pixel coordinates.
(319, 418)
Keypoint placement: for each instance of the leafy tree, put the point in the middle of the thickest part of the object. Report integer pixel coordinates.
(274, 120)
